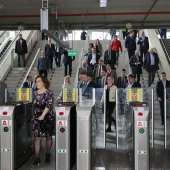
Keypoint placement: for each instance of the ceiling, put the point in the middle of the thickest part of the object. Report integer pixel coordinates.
(87, 14)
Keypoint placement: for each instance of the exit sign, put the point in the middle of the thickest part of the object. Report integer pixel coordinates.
(72, 53)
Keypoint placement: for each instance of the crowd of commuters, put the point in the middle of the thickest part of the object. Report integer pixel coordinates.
(94, 73)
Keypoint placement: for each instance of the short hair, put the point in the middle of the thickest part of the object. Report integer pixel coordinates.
(131, 31)
(28, 76)
(131, 76)
(44, 80)
(163, 73)
(101, 60)
(123, 69)
(104, 70)
(108, 65)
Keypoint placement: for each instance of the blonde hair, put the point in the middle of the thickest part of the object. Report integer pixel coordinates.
(69, 82)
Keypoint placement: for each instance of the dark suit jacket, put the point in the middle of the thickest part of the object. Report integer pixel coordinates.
(100, 82)
(88, 90)
(136, 69)
(113, 58)
(18, 48)
(96, 70)
(66, 58)
(130, 43)
(119, 82)
(147, 61)
(146, 43)
(135, 85)
(49, 51)
(90, 57)
(88, 70)
(25, 85)
(160, 88)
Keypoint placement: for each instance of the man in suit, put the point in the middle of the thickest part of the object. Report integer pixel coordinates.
(160, 86)
(58, 51)
(132, 83)
(130, 44)
(21, 49)
(112, 73)
(50, 52)
(97, 72)
(43, 64)
(136, 63)
(103, 80)
(80, 82)
(67, 60)
(122, 80)
(93, 58)
(28, 83)
(151, 63)
(144, 44)
(85, 68)
(110, 57)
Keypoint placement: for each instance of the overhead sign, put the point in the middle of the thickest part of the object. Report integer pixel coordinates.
(72, 53)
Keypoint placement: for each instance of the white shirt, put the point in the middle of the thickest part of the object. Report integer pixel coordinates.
(93, 60)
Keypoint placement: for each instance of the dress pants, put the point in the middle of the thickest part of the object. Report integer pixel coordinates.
(161, 104)
(41, 72)
(151, 75)
(131, 52)
(70, 68)
(143, 52)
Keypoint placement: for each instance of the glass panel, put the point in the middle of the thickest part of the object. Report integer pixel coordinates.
(125, 114)
(167, 142)
(11, 96)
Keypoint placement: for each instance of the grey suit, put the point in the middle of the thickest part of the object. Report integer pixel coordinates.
(96, 71)
(88, 70)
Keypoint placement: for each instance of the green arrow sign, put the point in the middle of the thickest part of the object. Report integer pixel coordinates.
(83, 151)
(61, 150)
(5, 150)
(72, 53)
(6, 129)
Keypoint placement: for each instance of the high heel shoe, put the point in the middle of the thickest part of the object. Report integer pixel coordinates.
(47, 159)
(36, 162)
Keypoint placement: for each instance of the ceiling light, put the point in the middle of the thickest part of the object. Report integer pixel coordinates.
(103, 3)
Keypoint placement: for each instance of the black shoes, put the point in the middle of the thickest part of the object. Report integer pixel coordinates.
(162, 123)
(108, 130)
(36, 162)
(47, 159)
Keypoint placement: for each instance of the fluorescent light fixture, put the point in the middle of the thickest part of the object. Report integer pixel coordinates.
(103, 3)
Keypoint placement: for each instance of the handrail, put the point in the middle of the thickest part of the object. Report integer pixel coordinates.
(2, 34)
(164, 48)
(9, 52)
(30, 67)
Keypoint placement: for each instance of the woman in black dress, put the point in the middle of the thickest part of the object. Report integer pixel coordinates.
(43, 117)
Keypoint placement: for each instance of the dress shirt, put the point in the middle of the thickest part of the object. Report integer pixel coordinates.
(130, 85)
(143, 39)
(93, 60)
(109, 55)
(164, 83)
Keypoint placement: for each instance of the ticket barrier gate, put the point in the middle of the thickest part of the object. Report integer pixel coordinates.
(16, 135)
(66, 132)
(137, 135)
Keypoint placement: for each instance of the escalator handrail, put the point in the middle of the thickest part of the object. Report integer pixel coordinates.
(164, 48)
(30, 67)
(2, 34)
(7, 51)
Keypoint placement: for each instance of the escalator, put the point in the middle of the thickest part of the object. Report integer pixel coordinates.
(4, 49)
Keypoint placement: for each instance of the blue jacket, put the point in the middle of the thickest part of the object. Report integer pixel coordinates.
(130, 43)
(43, 63)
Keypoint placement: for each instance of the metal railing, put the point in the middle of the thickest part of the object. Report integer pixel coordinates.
(30, 68)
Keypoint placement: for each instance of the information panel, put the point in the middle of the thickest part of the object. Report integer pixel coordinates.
(69, 95)
(24, 95)
(134, 95)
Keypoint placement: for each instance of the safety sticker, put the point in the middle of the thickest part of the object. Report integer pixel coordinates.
(141, 123)
(62, 108)
(6, 122)
(62, 122)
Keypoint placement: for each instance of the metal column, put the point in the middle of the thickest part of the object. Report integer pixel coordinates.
(62, 138)
(141, 138)
(84, 141)
(6, 139)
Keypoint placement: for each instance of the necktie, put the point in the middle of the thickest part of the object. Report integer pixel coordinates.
(29, 84)
(123, 81)
(109, 58)
(99, 70)
(103, 81)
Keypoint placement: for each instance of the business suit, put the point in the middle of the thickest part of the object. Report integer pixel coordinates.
(160, 94)
(21, 50)
(113, 74)
(96, 73)
(67, 60)
(121, 83)
(144, 45)
(50, 52)
(86, 69)
(90, 58)
(134, 85)
(26, 84)
(102, 82)
(87, 89)
(151, 69)
(136, 68)
(58, 51)
(110, 58)
(130, 44)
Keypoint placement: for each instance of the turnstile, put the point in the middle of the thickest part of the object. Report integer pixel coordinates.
(65, 136)
(137, 135)
(16, 135)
